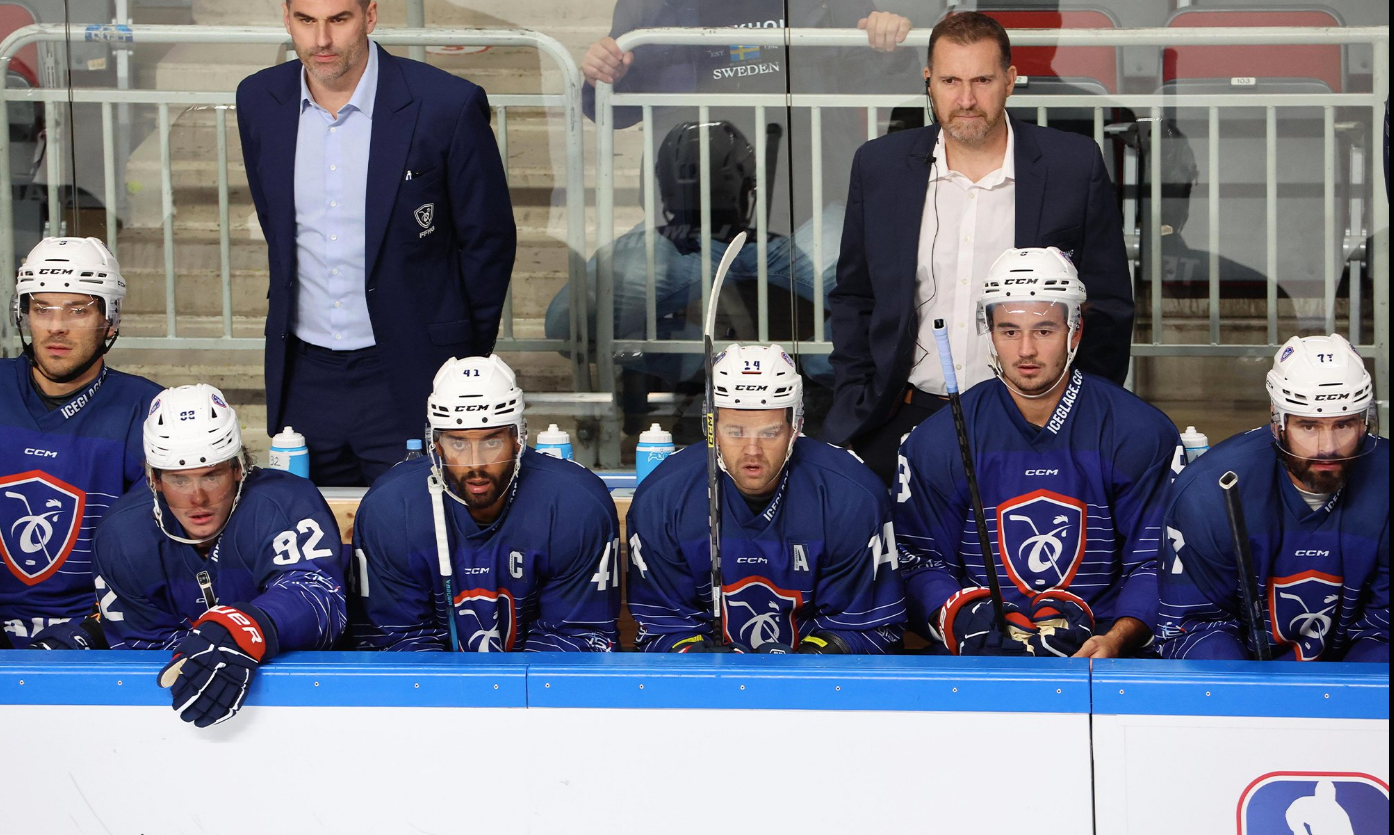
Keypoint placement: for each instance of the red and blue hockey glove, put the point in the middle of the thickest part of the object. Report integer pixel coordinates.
(214, 664)
(78, 633)
(701, 643)
(1063, 623)
(823, 643)
(967, 626)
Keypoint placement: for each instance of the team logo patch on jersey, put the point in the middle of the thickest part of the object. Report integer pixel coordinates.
(488, 620)
(1315, 802)
(40, 520)
(1041, 538)
(759, 612)
(424, 214)
(1302, 610)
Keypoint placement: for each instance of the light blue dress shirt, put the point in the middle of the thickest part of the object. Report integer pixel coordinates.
(331, 182)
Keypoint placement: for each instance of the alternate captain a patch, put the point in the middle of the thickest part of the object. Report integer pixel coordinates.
(1041, 538)
(40, 520)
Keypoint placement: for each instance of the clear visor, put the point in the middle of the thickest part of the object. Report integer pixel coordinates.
(1013, 318)
(82, 312)
(476, 447)
(1335, 439)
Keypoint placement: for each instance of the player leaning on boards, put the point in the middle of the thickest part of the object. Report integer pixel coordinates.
(807, 552)
(232, 565)
(1073, 472)
(1314, 485)
(69, 440)
(526, 546)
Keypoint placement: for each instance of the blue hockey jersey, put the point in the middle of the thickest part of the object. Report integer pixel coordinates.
(820, 557)
(543, 577)
(60, 471)
(1323, 575)
(279, 552)
(1076, 504)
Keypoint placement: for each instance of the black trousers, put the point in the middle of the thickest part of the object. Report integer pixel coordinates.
(341, 402)
(879, 447)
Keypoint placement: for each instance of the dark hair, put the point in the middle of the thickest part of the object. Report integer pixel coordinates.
(966, 28)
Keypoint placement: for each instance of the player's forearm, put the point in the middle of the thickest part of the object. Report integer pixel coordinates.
(308, 610)
(1369, 650)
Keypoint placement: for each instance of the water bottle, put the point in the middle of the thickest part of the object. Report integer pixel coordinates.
(555, 442)
(654, 445)
(289, 453)
(1195, 443)
(414, 449)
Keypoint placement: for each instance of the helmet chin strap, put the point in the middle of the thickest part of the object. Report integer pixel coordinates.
(996, 363)
(28, 349)
(438, 469)
(160, 517)
(797, 427)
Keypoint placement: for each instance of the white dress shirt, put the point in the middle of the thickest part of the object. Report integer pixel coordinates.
(965, 226)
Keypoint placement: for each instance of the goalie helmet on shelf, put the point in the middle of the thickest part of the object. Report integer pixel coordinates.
(1024, 276)
(470, 394)
(190, 428)
(758, 377)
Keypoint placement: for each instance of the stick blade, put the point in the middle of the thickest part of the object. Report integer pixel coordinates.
(733, 249)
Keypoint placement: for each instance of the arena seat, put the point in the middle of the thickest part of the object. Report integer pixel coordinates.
(1083, 67)
(1298, 69)
(25, 63)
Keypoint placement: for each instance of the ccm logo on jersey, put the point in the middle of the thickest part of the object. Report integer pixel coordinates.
(1311, 553)
(751, 561)
(1042, 472)
(42, 453)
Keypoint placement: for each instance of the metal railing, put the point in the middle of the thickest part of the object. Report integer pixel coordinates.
(567, 101)
(1370, 211)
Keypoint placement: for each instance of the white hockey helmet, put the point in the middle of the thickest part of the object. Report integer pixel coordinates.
(72, 265)
(190, 427)
(1319, 376)
(755, 377)
(1033, 274)
(475, 393)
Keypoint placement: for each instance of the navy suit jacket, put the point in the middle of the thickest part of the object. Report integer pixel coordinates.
(1064, 198)
(435, 284)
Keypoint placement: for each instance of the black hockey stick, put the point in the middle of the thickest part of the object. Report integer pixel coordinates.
(1244, 562)
(946, 362)
(709, 419)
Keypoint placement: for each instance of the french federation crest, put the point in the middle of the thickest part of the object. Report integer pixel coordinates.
(487, 620)
(40, 520)
(1041, 538)
(1315, 802)
(424, 214)
(1302, 609)
(760, 613)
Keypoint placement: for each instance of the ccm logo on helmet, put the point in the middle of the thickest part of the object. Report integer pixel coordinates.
(52, 271)
(752, 388)
(1342, 396)
(479, 408)
(1311, 553)
(1010, 281)
(1042, 472)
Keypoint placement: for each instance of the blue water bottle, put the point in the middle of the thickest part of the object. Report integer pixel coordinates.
(655, 445)
(289, 453)
(556, 443)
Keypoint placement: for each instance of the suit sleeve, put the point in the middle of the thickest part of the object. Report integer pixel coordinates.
(851, 301)
(579, 601)
(1103, 267)
(1198, 613)
(482, 216)
(1369, 635)
(664, 598)
(401, 607)
(859, 594)
(251, 153)
(1143, 470)
(929, 524)
(132, 617)
(297, 561)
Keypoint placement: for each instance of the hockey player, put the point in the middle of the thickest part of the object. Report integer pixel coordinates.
(1072, 470)
(807, 551)
(530, 543)
(226, 564)
(1314, 485)
(69, 439)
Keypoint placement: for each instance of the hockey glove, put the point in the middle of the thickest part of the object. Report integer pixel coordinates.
(1063, 622)
(967, 626)
(214, 664)
(78, 633)
(823, 643)
(773, 648)
(701, 643)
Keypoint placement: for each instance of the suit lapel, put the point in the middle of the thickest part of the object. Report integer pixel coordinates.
(394, 122)
(914, 184)
(1030, 185)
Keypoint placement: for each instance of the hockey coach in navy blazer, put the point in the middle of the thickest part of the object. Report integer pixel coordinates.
(906, 260)
(389, 233)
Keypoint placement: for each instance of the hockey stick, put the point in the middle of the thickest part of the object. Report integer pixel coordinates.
(946, 362)
(709, 418)
(1244, 559)
(437, 491)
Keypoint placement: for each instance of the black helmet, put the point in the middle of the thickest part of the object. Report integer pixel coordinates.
(732, 162)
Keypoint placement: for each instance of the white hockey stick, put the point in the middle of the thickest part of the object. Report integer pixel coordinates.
(437, 491)
(709, 419)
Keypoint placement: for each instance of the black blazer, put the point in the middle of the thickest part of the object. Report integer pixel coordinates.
(873, 306)
(439, 247)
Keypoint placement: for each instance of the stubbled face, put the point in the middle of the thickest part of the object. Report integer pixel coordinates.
(68, 331)
(330, 36)
(1033, 343)
(969, 89)
(1321, 451)
(753, 445)
(201, 498)
(479, 464)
